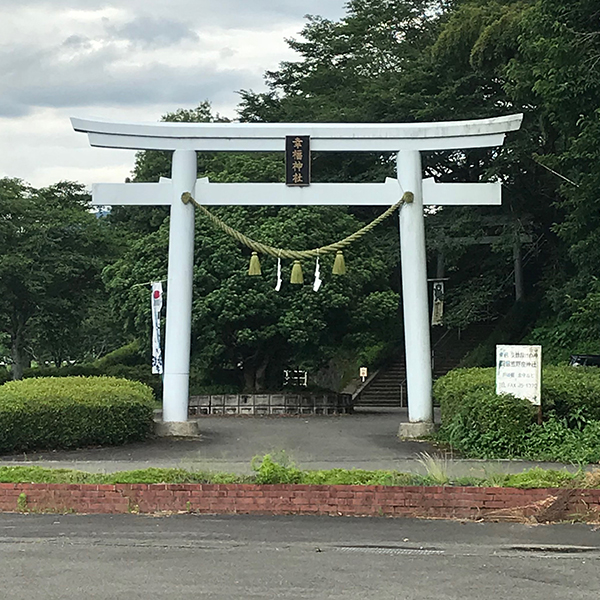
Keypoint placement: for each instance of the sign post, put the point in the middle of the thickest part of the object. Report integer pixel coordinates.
(363, 374)
(519, 372)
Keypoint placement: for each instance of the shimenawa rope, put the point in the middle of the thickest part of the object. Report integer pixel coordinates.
(407, 198)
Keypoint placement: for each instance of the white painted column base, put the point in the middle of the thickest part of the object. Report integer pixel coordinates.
(415, 431)
(176, 429)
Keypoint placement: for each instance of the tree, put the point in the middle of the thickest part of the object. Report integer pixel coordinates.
(52, 250)
(240, 324)
(559, 72)
(409, 60)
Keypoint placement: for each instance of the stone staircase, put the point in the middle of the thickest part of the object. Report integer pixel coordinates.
(387, 386)
(451, 346)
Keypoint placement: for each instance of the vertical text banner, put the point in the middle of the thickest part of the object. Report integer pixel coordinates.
(519, 372)
(157, 302)
(297, 160)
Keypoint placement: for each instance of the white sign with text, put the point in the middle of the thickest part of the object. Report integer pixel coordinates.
(519, 372)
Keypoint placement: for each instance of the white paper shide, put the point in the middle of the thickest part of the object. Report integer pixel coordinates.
(519, 371)
(157, 303)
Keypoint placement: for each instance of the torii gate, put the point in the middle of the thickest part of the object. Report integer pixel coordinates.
(407, 140)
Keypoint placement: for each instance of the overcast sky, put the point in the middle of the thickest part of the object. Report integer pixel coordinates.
(127, 60)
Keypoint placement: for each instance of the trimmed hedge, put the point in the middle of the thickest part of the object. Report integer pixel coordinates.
(481, 424)
(71, 412)
(450, 389)
(141, 373)
(490, 425)
(571, 390)
(565, 390)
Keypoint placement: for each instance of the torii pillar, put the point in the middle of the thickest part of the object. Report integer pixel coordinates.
(406, 140)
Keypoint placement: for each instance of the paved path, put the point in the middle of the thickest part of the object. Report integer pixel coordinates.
(365, 440)
(69, 557)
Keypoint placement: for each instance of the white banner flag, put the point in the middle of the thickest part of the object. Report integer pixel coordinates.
(157, 302)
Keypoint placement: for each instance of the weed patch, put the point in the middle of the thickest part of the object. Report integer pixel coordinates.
(268, 470)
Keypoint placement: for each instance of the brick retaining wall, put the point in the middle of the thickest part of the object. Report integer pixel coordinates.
(439, 502)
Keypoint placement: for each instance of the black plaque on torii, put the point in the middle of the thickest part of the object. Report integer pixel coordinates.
(297, 160)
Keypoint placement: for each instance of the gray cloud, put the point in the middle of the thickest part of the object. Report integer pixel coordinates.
(152, 32)
(77, 42)
(92, 81)
(130, 59)
(226, 13)
(9, 108)
(87, 68)
(79, 71)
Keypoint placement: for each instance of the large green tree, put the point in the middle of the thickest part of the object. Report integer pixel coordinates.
(414, 60)
(52, 251)
(559, 73)
(240, 324)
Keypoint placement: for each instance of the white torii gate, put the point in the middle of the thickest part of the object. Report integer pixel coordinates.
(407, 140)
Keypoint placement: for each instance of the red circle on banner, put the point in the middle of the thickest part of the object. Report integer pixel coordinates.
(156, 294)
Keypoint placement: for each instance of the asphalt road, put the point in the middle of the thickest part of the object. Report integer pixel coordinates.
(366, 440)
(189, 557)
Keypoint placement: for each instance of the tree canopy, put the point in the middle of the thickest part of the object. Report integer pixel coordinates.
(384, 61)
(242, 327)
(52, 250)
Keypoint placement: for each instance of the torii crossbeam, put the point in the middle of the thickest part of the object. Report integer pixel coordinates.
(407, 140)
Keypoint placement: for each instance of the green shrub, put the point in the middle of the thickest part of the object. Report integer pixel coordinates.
(141, 373)
(275, 470)
(449, 391)
(489, 426)
(555, 440)
(70, 412)
(480, 424)
(572, 393)
(130, 355)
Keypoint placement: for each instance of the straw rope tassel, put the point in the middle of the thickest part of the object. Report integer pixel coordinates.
(297, 276)
(254, 268)
(339, 264)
